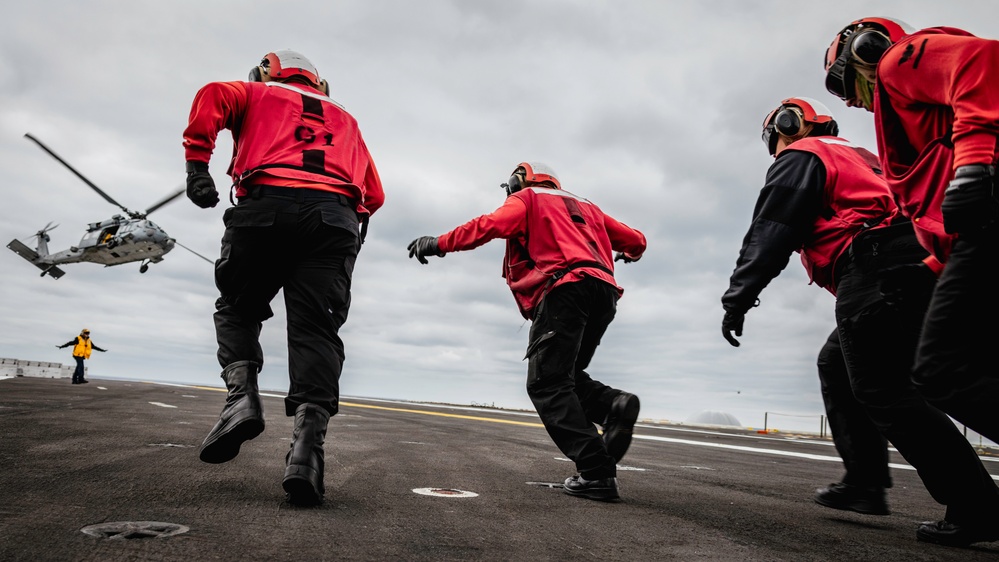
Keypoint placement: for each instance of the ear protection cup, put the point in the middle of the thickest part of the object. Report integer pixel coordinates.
(789, 122)
(867, 46)
(324, 87)
(796, 118)
(513, 185)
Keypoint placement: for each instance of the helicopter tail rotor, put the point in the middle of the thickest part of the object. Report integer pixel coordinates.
(43, 233)
(42, 239)
(37, 256)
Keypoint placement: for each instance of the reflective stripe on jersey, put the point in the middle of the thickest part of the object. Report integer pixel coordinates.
(303, 92)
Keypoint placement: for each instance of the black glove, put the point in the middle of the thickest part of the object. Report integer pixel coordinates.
(424, 246)
(970, 202)
(200, 185)
(622, 257)
(907, 283)
(732, 322)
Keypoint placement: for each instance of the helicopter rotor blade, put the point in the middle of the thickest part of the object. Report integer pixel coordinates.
(193, 252)
(106, 197)
(45, 229)
(167, 199)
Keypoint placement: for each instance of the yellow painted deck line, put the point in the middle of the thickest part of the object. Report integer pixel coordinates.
(441, 414)
(356, 405)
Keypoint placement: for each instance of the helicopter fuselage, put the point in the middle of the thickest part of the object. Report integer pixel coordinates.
(115, 241)
(121, 239)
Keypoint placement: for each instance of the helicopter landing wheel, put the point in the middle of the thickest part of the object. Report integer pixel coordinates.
(144, 268)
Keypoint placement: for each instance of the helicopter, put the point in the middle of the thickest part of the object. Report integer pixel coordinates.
(124, 238)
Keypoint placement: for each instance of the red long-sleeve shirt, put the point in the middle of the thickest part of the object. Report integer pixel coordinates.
(284, 134)
(942, 79)
(934, 84)
(556, 229)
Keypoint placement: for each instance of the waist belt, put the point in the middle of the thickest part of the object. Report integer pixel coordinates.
(299, 194)
(595, 265)
(876, 249)
(561, 273)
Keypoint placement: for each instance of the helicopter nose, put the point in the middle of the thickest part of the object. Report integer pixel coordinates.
(170, 243)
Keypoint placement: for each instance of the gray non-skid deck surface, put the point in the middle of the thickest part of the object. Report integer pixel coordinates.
(72, 456)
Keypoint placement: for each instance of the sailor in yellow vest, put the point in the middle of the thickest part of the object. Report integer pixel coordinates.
(81, 352)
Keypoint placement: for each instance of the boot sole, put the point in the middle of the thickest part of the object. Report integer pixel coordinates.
(225, 446)
(963, 541)
(858, 507)
(618, 435)
(598, 495)
(302, 485)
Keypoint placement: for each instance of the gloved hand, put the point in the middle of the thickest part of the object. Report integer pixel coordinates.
(622, 257)
(424, 246)
(732, 322)
(970, 201)
(200, 185)
(907, 283)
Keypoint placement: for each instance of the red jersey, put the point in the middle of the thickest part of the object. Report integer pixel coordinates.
(936, 107)
(855, 193)
(284, 134)
(547, 231)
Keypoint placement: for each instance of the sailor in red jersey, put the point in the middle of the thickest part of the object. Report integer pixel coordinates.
(826, 199)
(559, 266)
(936, 111)
(305, 186)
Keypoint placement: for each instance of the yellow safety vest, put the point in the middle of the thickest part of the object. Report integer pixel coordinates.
(82, 348)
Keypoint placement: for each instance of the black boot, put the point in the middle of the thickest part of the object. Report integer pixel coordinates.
(604, 489)
(620, 424)
(242, 416)
(303, 479)
(869, 500)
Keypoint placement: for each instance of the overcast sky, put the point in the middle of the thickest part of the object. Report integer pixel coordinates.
(652, 110)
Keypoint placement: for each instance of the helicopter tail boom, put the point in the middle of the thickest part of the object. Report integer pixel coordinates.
(32, 256)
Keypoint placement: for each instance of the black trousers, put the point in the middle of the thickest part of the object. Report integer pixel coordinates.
(956, 361)
(79, 371)
(879, 343)
(305, 246)
(565, 333)
(859, 443)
